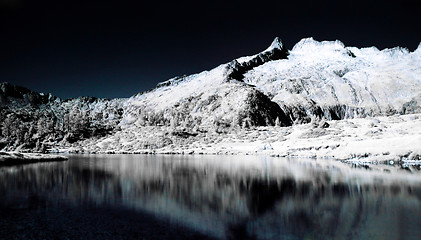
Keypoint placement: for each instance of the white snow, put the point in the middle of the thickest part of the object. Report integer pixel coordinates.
(381, 139)
(328, 74)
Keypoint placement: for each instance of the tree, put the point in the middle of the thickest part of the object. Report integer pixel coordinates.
(277, 122)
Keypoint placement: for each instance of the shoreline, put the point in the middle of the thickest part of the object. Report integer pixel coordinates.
(387, 140)
(395, 138)
(15, 158)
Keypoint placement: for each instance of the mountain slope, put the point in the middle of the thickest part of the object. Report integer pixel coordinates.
(331, 80)
(209, 98)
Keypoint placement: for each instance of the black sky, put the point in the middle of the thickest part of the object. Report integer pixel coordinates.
(118, 48)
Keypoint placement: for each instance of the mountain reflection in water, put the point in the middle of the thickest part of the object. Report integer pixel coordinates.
(222, 197)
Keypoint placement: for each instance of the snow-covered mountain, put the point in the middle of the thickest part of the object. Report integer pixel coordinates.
(329, 79)
(210, 98)
(324, 79)
(274, 87)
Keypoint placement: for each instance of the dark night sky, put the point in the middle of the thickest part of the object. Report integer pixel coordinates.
(118, 48)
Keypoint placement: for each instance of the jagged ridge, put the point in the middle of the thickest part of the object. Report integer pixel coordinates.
(276, 51)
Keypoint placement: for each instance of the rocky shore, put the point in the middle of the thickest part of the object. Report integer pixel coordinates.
(14, 158)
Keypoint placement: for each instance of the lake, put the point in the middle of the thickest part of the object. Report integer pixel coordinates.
(208, 197)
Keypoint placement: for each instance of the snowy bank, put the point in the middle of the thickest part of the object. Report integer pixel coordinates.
(14, 158)
(394, 138)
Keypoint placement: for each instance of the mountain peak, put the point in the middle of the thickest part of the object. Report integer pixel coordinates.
(310, 44)
(276, 43)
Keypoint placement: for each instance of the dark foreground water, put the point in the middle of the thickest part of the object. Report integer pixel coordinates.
(207, 197)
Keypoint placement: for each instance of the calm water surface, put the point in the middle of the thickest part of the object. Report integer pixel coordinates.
(207, 197)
